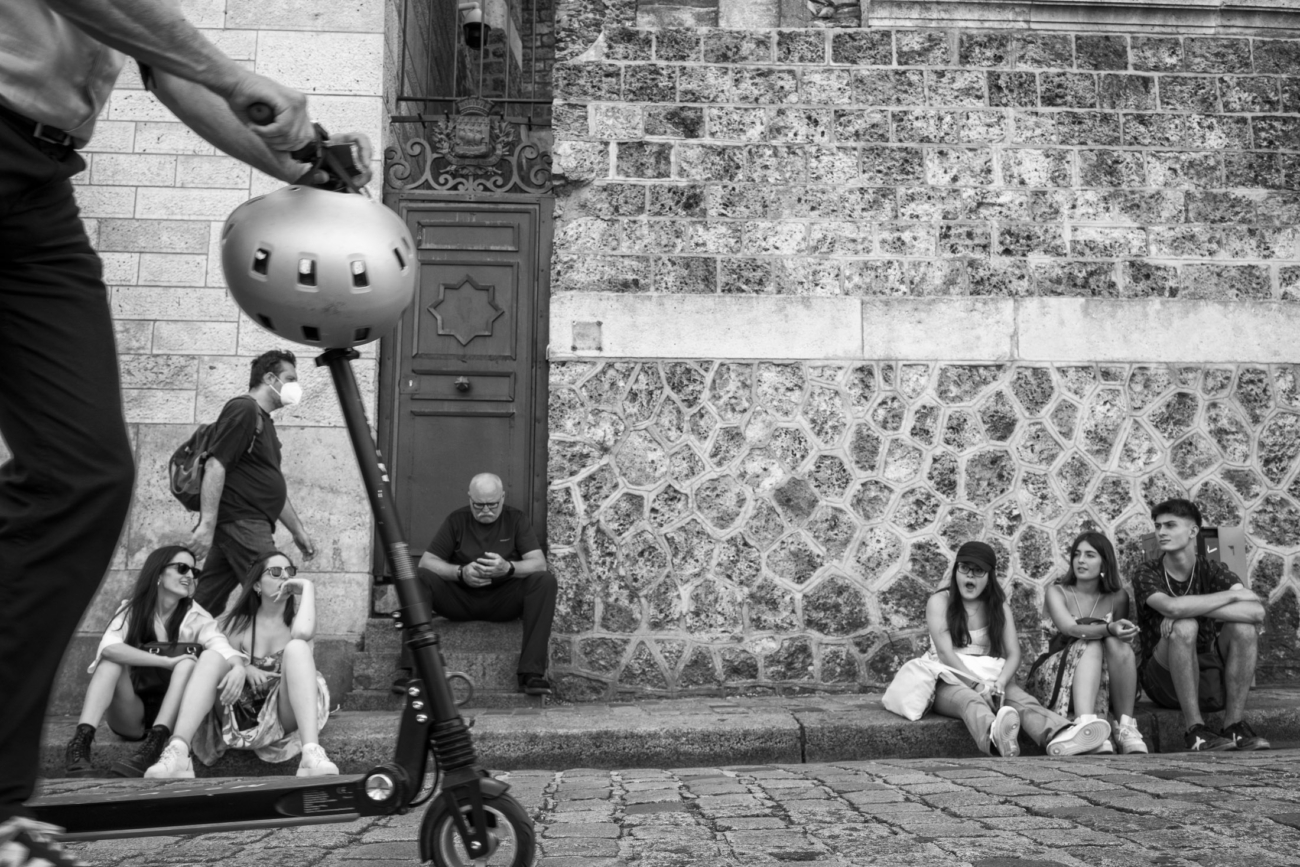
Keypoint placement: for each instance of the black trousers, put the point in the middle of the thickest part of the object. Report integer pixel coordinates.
(235, 545)
(65, 491)
(530, 598)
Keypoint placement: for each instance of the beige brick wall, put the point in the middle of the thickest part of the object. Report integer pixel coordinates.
(154, 197)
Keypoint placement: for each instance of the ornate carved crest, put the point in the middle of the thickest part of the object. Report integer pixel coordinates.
(470, 151)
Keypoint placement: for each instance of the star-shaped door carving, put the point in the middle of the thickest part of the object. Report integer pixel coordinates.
(466, 310)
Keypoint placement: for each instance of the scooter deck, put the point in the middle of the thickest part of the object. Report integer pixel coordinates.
(197, 806)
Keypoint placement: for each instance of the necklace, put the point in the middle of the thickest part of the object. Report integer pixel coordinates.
(1169, 583)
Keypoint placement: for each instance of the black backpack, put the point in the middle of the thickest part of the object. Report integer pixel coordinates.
(185, 469)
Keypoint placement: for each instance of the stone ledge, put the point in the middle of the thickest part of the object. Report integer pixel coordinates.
(601, 325)
(682, 732)
(1184, 17)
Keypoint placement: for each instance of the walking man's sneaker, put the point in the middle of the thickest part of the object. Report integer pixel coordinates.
(1244, 737)
(28, 843)
(76, 757)
(1079, 738)
(1201, 738)
(534, 684)
(154, 741)
(1005, 732)
(173, 764)
(1129, 738)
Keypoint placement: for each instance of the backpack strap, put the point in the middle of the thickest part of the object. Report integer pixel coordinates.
(256, 433)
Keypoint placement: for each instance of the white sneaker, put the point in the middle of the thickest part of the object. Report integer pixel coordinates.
(1079, 738)
(173, 764)
(1130, 739)
(1106, 749)
(315, 763)
(1005, 732)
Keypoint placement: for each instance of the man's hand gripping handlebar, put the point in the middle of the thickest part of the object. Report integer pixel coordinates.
(333, 166)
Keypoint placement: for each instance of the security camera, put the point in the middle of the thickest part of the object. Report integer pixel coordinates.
(476, 32)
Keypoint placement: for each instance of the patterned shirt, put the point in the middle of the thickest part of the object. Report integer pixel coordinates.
(1208, 576)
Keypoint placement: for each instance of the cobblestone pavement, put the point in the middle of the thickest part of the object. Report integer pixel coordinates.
(1173, 811)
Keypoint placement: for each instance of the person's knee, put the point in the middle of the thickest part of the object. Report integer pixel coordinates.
(1240, 633)
(544, 580)
(1184, 630)
(1118, 651)
(1092, 652)
(297, 647)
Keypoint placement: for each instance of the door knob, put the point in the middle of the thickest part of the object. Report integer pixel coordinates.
(462, 383)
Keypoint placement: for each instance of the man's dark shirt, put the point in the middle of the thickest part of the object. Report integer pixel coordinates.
(1208, 576)
(255, 486)
(462, 540)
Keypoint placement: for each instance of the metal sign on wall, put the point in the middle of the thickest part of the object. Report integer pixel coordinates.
(471, 151)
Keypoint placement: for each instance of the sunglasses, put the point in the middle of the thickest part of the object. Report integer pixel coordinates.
(184, 569)
(281, 571)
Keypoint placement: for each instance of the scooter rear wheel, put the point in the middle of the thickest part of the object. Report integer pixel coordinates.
(508, 825)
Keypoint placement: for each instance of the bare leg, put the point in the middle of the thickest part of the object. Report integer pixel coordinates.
(1239, 644)
(1087, 679)
(1121, 665)
(171, 702)
(1178, 654)
(111, 694)
(298, 691)
(200, 694)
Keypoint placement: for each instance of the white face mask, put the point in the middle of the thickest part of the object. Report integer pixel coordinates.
(290, 394)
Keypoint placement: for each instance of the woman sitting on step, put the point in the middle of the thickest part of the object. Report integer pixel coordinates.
(1090, 660)
(276, 702)
(971, 618)
(140, 672)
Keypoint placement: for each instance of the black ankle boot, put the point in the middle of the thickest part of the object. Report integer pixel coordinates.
(76, 758)
(150, 749)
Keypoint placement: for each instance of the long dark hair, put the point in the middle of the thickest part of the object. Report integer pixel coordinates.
(144, 599)
(994, 600)
(250, 600)
(1109, 578)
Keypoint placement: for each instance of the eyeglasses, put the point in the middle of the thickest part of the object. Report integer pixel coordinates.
(184, 569)
(484, 507)
(281, 571)
(970, 571)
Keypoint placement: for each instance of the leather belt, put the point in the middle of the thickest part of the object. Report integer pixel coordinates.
(39, 131)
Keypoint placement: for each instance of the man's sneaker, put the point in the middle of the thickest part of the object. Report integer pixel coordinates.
(534, 684)
(1106, 749)
(173, 764)
(27, 843)
(1079, 738)
(1129, 738)
(1005, 732)
(315, 763)
(76, 757)
(154, 741)
(1244, 737)
(1201, 738)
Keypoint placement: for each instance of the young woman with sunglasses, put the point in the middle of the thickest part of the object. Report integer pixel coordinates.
(138, 692)
(270, 699)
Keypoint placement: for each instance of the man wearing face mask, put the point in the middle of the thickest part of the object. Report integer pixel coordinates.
(244, 491)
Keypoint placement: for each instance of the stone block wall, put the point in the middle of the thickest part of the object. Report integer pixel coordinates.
(154, 197)
(830, 301)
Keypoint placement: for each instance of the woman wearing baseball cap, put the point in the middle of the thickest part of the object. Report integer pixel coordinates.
(971, 617)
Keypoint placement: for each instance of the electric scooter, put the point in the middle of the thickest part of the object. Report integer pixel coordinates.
(472, 819)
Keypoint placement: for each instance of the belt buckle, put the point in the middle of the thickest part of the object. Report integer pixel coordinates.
(43, 132)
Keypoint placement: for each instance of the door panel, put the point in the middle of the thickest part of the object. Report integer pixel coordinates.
(469, 368)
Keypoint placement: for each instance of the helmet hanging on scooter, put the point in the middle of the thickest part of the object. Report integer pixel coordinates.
(331, 270)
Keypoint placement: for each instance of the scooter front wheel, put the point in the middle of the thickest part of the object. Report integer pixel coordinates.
(509, 828)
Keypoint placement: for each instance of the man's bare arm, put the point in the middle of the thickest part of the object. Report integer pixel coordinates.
(1196, 605)
(157, 33)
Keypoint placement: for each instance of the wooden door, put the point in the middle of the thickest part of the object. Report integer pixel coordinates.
(465, 390)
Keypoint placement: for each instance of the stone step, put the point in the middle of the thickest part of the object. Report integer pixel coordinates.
(702, 731)
(382, 637)
(384, 700)
(490, 672)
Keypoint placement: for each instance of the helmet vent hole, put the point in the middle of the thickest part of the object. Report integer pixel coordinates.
(360, 279)
(401, 262)
(266, 321)
(306, 272)
(261, 260)
(361, 334)
(311, 332)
